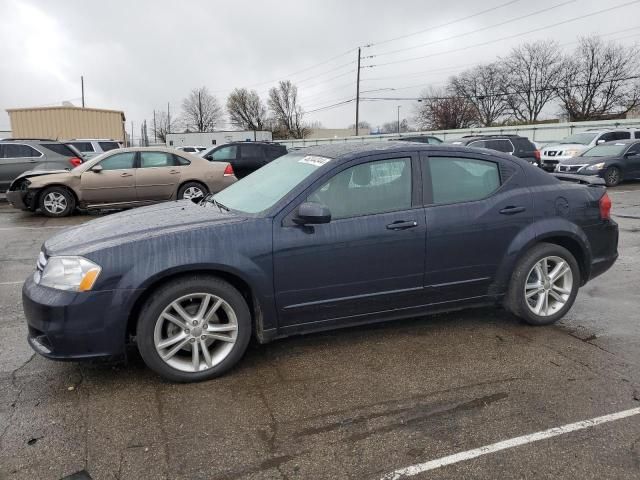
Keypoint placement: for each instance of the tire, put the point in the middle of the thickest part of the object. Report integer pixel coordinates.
(225, 346)
(526, 277)
(612, 176)
(189, 190)
(56, 202)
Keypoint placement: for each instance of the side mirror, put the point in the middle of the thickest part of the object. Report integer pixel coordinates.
(631, 154)
(96, 168)
(208, 157)
(312, 213)
(600, 141)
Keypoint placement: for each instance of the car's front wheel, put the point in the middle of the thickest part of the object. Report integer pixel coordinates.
(612, 176)
(194, 328)
(57, 202)
(544, 284)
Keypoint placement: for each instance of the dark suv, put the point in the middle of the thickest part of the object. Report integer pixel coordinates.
(245, 157)
(514, 145)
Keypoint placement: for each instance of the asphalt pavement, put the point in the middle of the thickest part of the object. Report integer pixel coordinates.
(359, 403)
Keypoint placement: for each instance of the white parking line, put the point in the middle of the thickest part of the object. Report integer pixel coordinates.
(511, 443)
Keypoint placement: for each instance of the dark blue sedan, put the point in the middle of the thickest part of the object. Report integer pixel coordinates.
(321, 238)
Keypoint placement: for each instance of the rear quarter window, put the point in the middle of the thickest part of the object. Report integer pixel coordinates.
(83, 146)
(59, 148)
(106, 146)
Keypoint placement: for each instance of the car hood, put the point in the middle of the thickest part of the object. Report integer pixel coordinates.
(565, 146)
(38, 173)
(586, 160)
(142, 223)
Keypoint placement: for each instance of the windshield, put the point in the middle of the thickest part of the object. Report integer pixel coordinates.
(581, 138)
(606, 150)
(263, 188)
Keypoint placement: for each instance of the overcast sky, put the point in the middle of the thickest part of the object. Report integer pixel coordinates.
(137, 56)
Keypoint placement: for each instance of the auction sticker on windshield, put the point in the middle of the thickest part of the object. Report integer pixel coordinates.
(314, 160)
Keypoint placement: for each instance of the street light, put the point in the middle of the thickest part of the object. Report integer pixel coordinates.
(398, 119)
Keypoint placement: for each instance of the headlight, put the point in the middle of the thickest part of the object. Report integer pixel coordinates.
(597, 166)
(571, 153)
(69, 273)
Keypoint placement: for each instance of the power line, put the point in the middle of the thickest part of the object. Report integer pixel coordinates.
(502, 5)
(327, 107)
(598, 12)
(488, 27)
(505, 93)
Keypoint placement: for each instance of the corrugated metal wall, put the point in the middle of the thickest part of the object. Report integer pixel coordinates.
(65, 123)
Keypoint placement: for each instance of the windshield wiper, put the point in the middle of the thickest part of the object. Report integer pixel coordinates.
(210, 199)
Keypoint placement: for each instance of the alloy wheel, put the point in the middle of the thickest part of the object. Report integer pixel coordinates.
(548, 286)
(55, 203)
(193, 192)
(195, 332)
(613, 176)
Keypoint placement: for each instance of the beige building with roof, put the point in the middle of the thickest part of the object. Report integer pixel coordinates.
(66, 123)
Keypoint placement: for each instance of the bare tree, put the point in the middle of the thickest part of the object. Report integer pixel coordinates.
(283, 102)
(597, 80)
(362, 124)
(532, 72)
(201, 111)
(438, 109)
(160, 128)
(246, 110)
(483, 86)
(392, 127)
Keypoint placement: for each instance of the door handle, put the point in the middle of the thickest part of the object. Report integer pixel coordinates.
(402, 225)
(173, 172)
(125, 174)
(511, 210)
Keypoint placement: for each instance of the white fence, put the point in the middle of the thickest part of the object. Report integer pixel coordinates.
(541, 133)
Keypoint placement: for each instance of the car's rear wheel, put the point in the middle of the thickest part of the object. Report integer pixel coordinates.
(193, 329)
(612, 176)
(194, 191)
(57, 202)
(544, 284)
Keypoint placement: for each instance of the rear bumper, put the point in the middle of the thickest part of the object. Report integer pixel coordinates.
(70, 325)
(604, 245)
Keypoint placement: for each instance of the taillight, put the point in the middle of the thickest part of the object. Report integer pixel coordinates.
(75, 161)
(228, 171)
(605, 207)
(536, 155)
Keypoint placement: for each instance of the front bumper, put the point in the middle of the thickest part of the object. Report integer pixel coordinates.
(20, 199)
(75, 325)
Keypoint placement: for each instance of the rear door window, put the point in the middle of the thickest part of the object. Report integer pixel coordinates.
(156, 159)
(478, 144)
(456, 180)
(623, 135)
(59, 148)
(500, 145)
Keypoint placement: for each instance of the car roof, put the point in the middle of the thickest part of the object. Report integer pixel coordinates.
(346, 151)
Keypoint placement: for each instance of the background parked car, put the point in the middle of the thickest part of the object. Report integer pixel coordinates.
(90, 147)
(245, 157)
(20, 155)
(191, 149)
(120, 179)
(612, 161)
(575, 144)
(514, 145)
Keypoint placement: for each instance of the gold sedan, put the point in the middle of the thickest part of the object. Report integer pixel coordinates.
(122, 178)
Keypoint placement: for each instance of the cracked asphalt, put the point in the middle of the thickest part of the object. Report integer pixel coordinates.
(355, 403)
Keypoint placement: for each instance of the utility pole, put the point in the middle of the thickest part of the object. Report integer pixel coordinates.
(358, 93)
(82, 87)
(155, 137)
(168, 119)
(398, 119)
(131, 141)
